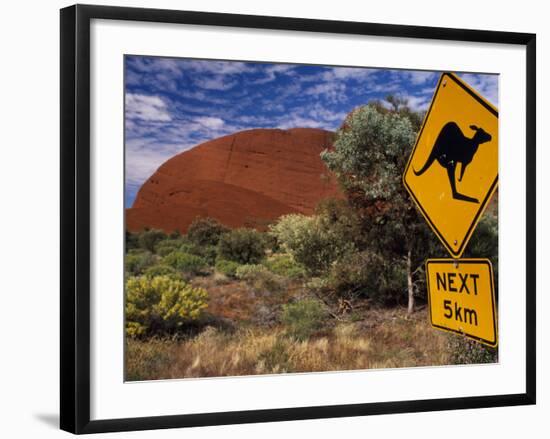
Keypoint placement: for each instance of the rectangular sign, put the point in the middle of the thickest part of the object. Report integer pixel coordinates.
(461, 296)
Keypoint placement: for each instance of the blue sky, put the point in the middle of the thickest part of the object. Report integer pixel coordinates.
(173, 104)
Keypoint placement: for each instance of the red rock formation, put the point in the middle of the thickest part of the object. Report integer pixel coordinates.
(245, 179)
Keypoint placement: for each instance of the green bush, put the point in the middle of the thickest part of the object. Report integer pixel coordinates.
(162, 248)
(228, 268)
(245, 246)
(249, 271)
(260, 278)
(208, 252)
(206, 231)
(149, 239)
(176, 234)
(160, 270)
(303, 318)
(285, 265)
(131, 240)
(185, 262)
(369, 275)
(311, 240)
(137, 260)
(161, 304)
(484, 243)
(466, 351)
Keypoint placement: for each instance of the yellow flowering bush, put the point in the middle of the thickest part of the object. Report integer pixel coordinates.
(161, 304)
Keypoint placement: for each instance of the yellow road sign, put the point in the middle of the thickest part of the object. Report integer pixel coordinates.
(452, 172)
(462, 297)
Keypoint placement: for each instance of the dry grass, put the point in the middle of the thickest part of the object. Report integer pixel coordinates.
(383, 339)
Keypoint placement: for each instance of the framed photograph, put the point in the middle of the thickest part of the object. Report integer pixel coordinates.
(273, 218)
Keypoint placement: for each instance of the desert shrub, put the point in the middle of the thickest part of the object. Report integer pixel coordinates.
(368, 275)
(208, 252)
(161, 304)
(466, 351)
(249, 271)
(357, 274)
(160, 270)
(284, 265)
(137, 260)
(206, 231)
(185, 262)
(245, 246)
(131, 240)
(260, 278)
(149, 239)
(484, 243)
(303, 318)
(176, 234)
(311, 241)
(228, 268)
(162, 248)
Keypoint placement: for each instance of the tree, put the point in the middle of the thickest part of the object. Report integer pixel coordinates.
(148, 239)
(368, 157)
(206, 231)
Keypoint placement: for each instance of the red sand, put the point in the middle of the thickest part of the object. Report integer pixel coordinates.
(244, 179)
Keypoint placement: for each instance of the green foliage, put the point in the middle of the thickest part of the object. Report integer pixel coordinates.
(260, 278)
(285, 265)
(161, 304)
(176, 234)
(185, 262)
(484, 241)
(206, 231)
(164, 247)
(160, 270)
(303, 318)
(149, 239)
(367, 274)
(226, 267)
(311, 240)
(370, 151)
(466, 351)
(245, 246)
(249, 271)
(137, 260)
(357, 275)
(208, 252)
(369, 156)
(131, 240)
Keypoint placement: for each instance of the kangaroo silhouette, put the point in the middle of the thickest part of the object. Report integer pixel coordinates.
(452, 147)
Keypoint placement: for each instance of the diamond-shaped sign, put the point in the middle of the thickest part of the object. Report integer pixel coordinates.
(452, 172)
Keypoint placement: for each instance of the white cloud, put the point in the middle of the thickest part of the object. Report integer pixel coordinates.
(298, 121)
(270, 72)
(419, 78)
(486, 85)
(143, 157)
(321, 113)
(346, 73)
(210, 122)
(144, 107)
(333, 91)
(418, 103)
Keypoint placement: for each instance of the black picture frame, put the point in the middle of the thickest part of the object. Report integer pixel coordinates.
(75, 217)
